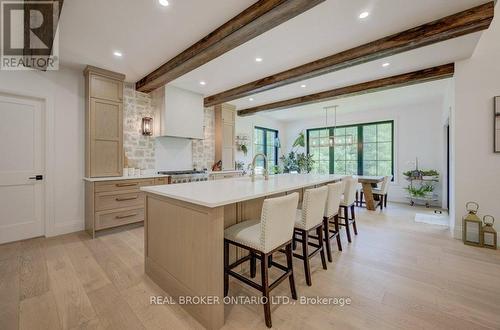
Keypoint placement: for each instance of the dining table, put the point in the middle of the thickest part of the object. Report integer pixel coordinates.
(368, 182)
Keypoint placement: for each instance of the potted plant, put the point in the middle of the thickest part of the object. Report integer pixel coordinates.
(430, 175)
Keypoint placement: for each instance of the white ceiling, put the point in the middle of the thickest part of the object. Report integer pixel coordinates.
(421, 58)
(148, 35)
(145, 32)
(425, 93)
(328, 28)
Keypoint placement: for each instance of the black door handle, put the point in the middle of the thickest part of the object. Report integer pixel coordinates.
(37, 178)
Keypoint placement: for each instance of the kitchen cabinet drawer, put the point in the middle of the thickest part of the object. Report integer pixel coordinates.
(160, 181)
(123, 185)
(108, 201)
(109, 219)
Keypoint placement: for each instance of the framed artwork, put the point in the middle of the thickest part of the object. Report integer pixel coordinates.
(497, 124)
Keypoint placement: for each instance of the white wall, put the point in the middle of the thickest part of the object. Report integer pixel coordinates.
(245, 126)
(476, 167)
(63, 92)
(418, 132)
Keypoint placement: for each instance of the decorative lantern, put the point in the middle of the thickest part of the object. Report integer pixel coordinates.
(489, 236)
(472, 226)
(147, 126)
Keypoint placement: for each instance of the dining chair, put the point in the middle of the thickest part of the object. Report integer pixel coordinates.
(381, 192)
(263, 237)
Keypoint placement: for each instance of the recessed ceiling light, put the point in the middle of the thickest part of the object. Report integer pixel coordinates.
(118, 54)
(303, 86)
(164, 3)
(386, 64)
(364, 14)
(258, 59)
(203, 83)
(250, 99)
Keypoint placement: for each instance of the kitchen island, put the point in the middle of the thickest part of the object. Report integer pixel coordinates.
(184, 233)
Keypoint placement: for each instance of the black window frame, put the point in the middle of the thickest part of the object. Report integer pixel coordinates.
(360, 143)
(265, 130)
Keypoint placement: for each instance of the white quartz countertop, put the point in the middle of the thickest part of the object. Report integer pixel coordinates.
(136, 177)
(223, 192)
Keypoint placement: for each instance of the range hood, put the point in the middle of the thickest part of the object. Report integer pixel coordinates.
(177, 113)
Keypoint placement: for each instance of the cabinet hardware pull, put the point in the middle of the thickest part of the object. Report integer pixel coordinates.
(126, 199)
(126, 184)
(126, 216)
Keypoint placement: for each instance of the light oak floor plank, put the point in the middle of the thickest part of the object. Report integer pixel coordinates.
(399, 275)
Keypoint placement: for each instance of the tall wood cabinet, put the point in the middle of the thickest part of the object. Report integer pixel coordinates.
(103, 123)
(225, 135)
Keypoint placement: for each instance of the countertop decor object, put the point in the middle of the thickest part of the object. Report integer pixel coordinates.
(472, 226)
(489, 233)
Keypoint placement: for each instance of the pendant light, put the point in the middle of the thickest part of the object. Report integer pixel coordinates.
(332, 139)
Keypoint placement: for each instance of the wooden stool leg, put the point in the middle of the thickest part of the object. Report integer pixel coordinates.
(354, 221)
(226, 264)
(361, 199)
(291, 278)
(357, 198)
(253, 266)
(305, 254)
(347, 228)
(327, 239)
(269, 260)
(385, 201)
(337, 229)
(319, 232)
(265, 289)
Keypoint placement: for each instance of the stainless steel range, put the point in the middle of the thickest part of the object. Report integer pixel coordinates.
(186, 176)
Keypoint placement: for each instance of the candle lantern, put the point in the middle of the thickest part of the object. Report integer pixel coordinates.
(489, 236)
(472, 226)
(147, 126)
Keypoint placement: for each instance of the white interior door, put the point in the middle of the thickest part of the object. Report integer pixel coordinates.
(22, 150)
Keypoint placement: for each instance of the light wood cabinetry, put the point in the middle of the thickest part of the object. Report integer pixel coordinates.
(110, 204)
(225, 135)
(103, 123)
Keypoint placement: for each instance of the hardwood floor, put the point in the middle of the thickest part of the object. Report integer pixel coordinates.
(399, 275)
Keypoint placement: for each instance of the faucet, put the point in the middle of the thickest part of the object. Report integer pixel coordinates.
(266, 172)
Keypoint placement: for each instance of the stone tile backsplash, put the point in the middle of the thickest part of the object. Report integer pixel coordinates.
(140, 150)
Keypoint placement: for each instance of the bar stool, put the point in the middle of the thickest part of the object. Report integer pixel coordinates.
(348, 203)
(262, 238)
(382, 192)
(335, 191)
(310, 218)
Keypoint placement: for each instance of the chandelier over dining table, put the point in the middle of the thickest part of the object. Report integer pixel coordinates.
(334, 140)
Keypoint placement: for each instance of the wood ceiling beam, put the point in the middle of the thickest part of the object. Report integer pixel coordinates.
(250, 23)
(421, 76)
(466, 22)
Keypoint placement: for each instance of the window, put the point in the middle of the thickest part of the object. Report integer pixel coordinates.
(364, 149)
(266, 143)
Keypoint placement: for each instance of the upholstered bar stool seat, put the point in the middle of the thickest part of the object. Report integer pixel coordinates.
(347, 203)
(331, 216)
(307, 219)
(261, 238)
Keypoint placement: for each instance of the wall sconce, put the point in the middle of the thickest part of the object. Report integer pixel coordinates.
(147, 126)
